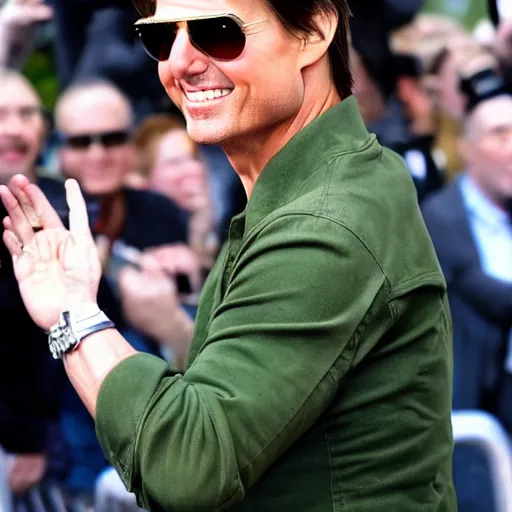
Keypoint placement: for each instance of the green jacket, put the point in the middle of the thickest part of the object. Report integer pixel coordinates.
(320, 373)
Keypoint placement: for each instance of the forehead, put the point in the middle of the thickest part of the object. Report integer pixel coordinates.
(14, 91)
(189, 8)
(94, 111)
(494, 113)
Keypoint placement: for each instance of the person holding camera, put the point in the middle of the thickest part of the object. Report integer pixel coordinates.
(387, 85)
(18, 20)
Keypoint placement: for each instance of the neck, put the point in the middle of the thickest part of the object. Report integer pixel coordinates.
(5, 176)
(498, 200)
(250, 155)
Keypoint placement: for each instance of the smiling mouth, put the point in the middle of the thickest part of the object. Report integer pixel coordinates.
(13, 155)
(209, 95)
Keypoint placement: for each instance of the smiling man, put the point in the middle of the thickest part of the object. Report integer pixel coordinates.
(319, 377)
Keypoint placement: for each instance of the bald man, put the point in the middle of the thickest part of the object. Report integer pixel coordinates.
(94, 120)
(470, 224)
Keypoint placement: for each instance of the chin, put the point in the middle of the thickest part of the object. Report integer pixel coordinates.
(209, 131)
(207, 137)
(99, 189)
(7, 171)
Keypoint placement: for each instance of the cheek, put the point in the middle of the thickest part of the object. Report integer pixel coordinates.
(168, 82)
(34, 138)
(69, 162)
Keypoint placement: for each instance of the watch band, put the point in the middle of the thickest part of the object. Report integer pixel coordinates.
(71, 329)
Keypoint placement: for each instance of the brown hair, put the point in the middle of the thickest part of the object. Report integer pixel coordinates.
(298, 17)
(149, 134)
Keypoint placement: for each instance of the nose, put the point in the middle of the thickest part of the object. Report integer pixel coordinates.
(186, 60)
(96, 150)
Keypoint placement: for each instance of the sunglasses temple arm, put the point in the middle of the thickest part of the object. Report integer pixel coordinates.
(246, 27)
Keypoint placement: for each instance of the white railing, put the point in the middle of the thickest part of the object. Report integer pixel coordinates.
(482, 430)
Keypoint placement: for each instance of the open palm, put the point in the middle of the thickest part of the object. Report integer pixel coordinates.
(56, 269)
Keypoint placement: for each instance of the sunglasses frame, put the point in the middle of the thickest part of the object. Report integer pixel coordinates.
(244, 28)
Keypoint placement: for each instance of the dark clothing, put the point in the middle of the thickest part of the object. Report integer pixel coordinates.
(481, 305)
(418, 155)
(152, 220)
(320, 372)
(393, 132)
(29, 378)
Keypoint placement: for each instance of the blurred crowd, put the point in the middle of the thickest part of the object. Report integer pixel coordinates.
(160, 205)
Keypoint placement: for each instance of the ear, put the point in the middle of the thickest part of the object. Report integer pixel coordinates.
(315, 45)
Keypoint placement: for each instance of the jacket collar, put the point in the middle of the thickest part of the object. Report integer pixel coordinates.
(338, 131)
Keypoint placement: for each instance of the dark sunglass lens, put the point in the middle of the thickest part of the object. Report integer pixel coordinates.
(113, 139)
(79, 141)
(158, 39)
(220, 38)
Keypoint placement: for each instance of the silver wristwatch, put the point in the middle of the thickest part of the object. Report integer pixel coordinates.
(72, 328)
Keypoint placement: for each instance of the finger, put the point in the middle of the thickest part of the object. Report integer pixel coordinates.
(78, 218)
(130, 283)
(47, 216)
(13, 244)
(19, 222)
(7, 223)
(150, 263)
(18, 186)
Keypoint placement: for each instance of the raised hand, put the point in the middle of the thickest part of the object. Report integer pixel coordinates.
(22, 14)
(56, 269)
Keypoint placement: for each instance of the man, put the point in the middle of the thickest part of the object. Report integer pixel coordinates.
(469, 223)
(94, 120)
(319, 377)
(30, 390)
(24, 404)
(470, 226)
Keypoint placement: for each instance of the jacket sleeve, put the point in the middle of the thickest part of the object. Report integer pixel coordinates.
(277, 349)
(491, 297)
(464, 276)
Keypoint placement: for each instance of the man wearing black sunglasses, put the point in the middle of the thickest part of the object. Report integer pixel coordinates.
(319, 377)
(94, 121)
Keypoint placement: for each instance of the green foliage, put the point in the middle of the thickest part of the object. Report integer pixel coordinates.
(468, 12)
(40, 70)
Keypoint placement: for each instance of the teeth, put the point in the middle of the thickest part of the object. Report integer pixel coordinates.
(209, 95)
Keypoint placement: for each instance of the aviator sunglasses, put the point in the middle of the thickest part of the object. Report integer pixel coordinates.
(220, 37)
